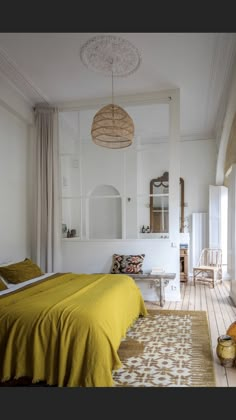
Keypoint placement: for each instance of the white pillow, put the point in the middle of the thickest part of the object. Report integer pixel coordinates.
(6, 263)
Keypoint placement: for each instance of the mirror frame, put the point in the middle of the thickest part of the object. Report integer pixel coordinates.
(164, 180)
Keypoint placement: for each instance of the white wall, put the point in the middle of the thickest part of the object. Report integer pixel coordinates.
(96, 257)
(226, 128)
(231, 256)
(197, 167)
(14, 159)
(228, 179)
(218, 221)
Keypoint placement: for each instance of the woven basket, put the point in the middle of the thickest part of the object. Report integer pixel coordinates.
(112, 127)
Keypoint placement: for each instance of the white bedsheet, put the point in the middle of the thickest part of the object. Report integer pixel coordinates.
(13, 287)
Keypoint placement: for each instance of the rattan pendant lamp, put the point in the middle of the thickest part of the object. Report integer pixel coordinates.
(112, 127)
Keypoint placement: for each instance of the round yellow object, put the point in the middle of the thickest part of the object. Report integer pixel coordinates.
(232, 331)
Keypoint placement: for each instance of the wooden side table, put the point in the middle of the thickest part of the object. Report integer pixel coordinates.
(160, 280)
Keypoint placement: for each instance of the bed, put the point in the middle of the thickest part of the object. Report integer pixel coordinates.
(66, 328)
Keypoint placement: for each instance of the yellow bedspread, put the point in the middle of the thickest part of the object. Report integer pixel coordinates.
(67, 328)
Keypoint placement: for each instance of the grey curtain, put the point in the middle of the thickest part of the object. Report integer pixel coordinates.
(46, 242)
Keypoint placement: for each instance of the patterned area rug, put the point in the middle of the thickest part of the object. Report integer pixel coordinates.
(167, 349)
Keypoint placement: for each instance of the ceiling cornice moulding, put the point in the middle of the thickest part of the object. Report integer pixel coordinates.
(19, 80)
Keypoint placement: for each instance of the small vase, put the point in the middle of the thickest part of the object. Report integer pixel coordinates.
(225, 350)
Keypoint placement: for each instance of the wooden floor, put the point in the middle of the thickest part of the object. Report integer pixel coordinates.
(221, 313)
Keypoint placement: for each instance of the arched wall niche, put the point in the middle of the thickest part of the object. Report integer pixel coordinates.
(105, 213)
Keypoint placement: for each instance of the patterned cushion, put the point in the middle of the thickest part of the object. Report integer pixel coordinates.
(127, 264)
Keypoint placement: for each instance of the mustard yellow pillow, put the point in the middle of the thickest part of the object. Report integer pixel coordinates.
(21, 271)
(2, 285)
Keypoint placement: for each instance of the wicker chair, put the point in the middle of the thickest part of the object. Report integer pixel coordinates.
(209, 268)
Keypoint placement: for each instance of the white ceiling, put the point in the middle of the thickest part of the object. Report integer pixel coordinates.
(47, 67)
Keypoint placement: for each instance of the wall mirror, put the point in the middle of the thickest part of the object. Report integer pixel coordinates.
(159, 204)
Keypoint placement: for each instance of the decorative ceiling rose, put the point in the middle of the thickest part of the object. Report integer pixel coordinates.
(108, 53)
(112, 127)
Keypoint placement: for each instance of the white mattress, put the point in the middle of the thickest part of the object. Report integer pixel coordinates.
(13, 287)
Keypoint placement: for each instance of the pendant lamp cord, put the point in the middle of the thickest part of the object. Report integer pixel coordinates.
(112, 94)
(112, 87)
